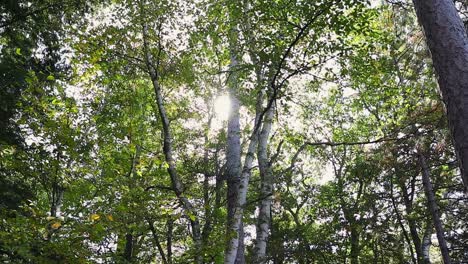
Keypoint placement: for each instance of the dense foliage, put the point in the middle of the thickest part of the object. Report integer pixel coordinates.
(155, 131)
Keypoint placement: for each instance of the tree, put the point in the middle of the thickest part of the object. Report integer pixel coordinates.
(448, 42)
(223, 131)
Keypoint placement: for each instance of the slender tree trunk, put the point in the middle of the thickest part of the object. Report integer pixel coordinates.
(240, 258)
(57, 190)
(152, 67)
(354, 255)
(433, 208)
(56, 198)
(447, 40)
(129, 238)
(170, 227)
(266, 189)
(57, 201)
(426, 243)
(375, 252)
(128, 251)
(400, 221)
(411, 222)
(206, 189)
(154, 232)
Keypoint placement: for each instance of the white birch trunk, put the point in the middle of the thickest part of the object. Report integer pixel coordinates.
(233, 152)
(266, 190)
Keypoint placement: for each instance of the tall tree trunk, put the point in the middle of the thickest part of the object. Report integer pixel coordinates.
(426, 243)
(235, 226)
(240, 257)
(233, 151)
(354, 255)
(170, 227)
(448, 42)
(433, 208)
(128, 251)
(266, 189)
(152, 68)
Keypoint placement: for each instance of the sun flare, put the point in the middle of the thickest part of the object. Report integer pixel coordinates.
(222, 106)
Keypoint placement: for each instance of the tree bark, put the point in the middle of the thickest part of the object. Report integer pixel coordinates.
(233, 151)
(266, 189)
(433, 208)
(448, 42)
(236, 224)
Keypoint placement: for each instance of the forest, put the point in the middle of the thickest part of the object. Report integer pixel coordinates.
(224, 131)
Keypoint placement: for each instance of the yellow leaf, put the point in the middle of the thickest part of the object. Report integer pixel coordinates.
(56, 225)
(95, 217)
(110, 218)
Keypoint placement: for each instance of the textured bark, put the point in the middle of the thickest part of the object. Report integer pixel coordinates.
(177, 187)
(233, 152)
(433, 208)
(447, 40)
(240, 257)
(241, 199)
(266, 189)
(236, 225)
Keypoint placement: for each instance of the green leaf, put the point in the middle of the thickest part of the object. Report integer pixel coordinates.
(50, 78)
(191, 216)
(18, 51)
